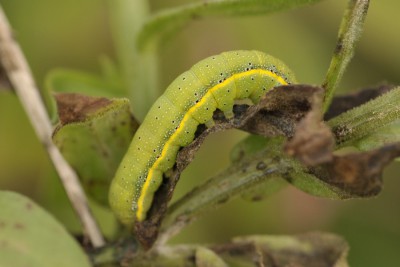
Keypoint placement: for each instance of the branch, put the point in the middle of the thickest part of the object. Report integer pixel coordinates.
(21, 79)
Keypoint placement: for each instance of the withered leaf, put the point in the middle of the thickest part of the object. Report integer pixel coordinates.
(73, 107)
(357, 174)
(313, 142)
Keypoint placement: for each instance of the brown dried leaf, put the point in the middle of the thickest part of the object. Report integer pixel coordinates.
(313, 141)
(74, 107)
(358, 174)
(281, 109)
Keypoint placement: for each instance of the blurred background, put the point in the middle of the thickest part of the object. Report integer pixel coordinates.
(73, 34)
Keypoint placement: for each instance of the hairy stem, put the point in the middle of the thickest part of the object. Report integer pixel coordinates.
(366, 119)
(349, 33)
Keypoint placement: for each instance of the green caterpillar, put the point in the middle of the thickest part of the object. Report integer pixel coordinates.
(213, 83)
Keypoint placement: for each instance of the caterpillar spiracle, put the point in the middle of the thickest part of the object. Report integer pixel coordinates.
(213, 83)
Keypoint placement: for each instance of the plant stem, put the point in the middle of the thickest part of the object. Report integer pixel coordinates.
(139, 69)
(366, 119)
(250, 173)
(349, 33)
(20, 77)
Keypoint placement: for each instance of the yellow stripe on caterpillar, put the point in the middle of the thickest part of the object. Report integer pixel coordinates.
(190, 100)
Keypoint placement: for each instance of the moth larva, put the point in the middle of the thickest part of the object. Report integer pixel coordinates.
(213, 83)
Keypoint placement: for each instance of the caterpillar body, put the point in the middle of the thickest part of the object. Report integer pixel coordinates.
(191, 99)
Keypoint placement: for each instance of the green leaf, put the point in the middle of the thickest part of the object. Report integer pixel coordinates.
(72, 81)
(208, 258)
(169, 21)
(94, 139)
(29, 236)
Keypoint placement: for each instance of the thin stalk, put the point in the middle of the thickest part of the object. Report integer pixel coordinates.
(19, 74)
(139, 69)
(349, 33)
